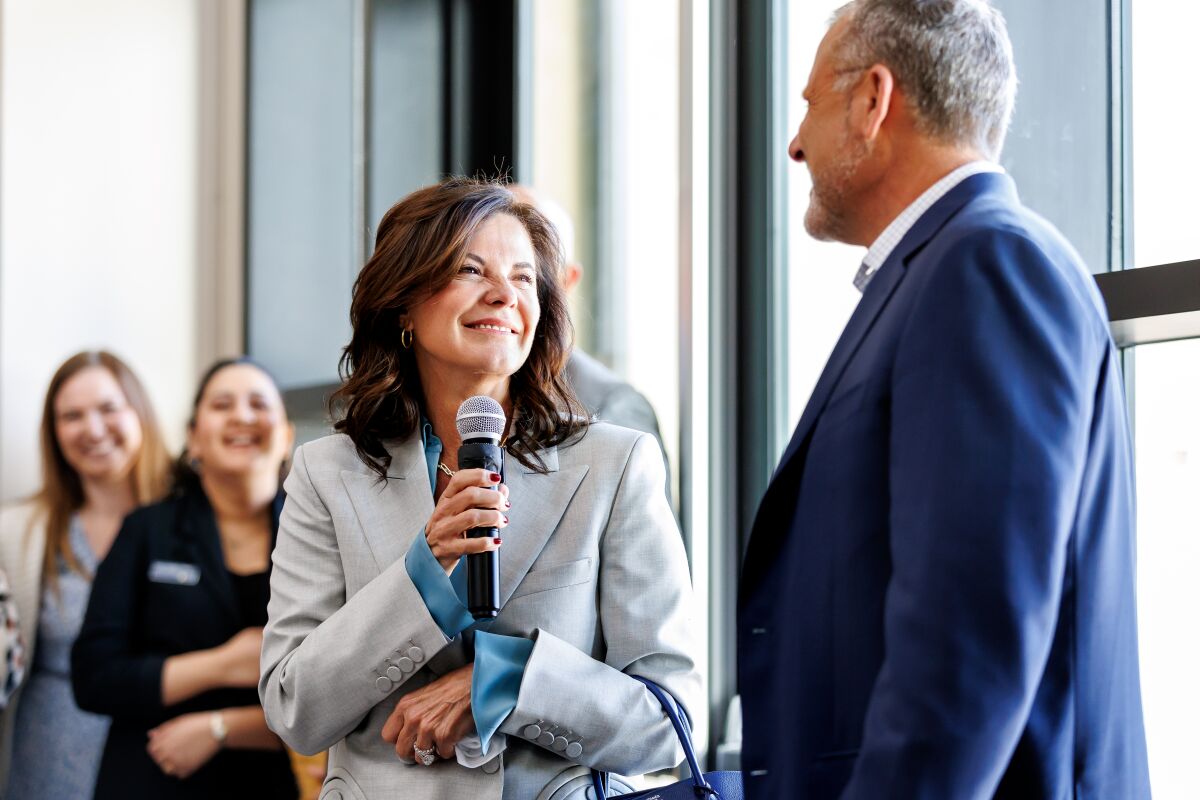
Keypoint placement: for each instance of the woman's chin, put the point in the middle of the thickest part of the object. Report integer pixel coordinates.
(108, 471)
(241, 465)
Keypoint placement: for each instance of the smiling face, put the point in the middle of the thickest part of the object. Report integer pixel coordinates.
(240, 424)
(480, 327)
(97, 430)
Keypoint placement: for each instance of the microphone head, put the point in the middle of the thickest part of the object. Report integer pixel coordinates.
(480, 417)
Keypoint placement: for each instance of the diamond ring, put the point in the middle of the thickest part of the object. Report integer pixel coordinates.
(426, 757)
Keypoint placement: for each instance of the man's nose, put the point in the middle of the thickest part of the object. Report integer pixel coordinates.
(795, 151)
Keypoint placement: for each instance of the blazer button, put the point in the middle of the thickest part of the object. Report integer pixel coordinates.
(394, 674)
(546, 739)
(532, 732)
(383, 684)
(405, 663)
(416, 654)
(492, 767)
(560, 743)
(574, 749)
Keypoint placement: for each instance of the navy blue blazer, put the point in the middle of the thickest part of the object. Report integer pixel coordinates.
(937, 600)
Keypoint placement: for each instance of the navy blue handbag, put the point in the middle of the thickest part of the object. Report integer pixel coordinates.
(713, 785)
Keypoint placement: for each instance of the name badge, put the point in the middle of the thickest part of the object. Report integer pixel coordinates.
(175, 572)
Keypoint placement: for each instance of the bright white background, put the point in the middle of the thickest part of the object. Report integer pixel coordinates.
(98, 204)
(1166, 398)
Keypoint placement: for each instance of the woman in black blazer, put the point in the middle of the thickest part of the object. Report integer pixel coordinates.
(170, 644)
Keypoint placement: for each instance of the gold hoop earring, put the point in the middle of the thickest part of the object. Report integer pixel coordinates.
(406, 338)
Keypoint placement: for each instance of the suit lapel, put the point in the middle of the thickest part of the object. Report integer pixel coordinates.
(538, 503)
(878, 292)
(391, 512)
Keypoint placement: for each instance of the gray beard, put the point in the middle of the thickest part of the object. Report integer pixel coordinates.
(827, 218)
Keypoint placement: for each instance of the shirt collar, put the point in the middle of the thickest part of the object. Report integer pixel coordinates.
(892, 235)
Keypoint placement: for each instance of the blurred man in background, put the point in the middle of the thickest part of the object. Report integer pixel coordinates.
(606, 396)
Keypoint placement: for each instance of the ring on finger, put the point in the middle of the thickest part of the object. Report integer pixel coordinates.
(426, 757)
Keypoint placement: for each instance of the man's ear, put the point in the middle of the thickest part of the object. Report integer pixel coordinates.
(871, 101)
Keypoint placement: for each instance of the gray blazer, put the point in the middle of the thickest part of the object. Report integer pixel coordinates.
(592, 570)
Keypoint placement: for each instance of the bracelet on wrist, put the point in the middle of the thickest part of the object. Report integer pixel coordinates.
(216, 724)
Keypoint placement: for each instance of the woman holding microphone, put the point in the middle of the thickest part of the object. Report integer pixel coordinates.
(369, 648)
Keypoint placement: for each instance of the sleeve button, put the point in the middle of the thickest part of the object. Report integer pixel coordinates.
(383, 684)
(416, 654)
(532, 732)
(574, 749)
(560, 743)
(405, 663)
(394, 674)
(546, 739)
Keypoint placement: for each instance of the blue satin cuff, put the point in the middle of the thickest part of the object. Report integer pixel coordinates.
(436, 589)
(499, 667)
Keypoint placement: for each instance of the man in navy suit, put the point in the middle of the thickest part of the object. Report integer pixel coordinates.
(938, 596)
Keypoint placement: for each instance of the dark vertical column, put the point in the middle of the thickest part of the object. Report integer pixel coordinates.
(481, 103)
(749, 300)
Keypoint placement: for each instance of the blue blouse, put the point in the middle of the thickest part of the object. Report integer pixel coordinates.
(499, 660)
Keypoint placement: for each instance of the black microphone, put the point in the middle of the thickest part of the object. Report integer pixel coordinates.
(480, 422)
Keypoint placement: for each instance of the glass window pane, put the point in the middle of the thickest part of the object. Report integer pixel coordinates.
(606, 146)
(300, 188)
(1166, 163)
(1167, 391)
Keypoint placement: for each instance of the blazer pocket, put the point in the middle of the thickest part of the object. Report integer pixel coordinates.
(558, 576)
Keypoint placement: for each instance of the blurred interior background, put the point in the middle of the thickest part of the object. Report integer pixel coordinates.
(185, 179)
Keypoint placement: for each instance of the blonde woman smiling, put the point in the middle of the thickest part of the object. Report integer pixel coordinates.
(101, 456)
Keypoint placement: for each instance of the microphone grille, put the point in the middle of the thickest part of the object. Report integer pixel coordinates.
(480, 416)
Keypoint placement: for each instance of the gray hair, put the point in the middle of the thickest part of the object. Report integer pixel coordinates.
(952, 58)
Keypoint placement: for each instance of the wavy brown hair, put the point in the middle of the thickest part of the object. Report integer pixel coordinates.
(421, 243)
(61, 494)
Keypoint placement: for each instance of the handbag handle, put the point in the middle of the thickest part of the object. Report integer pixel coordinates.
(682, 731)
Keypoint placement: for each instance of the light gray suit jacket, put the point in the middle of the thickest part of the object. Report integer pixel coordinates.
(592, 570)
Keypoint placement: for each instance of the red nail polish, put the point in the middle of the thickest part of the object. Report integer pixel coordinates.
(497, 540)
(506, 520)
(507, 504)
(495, 476)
